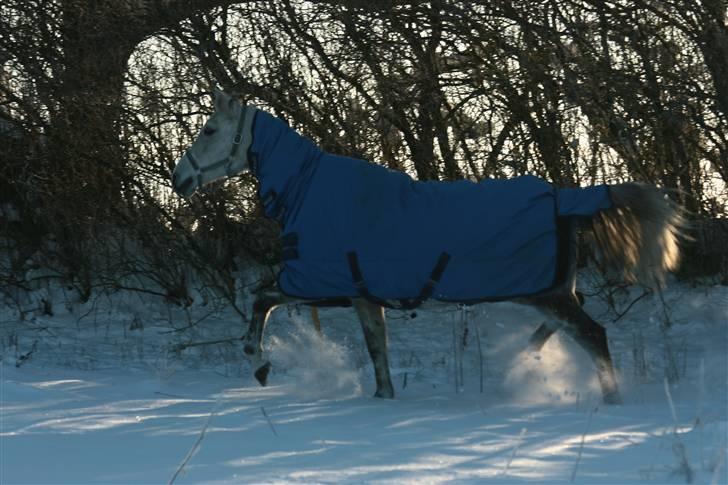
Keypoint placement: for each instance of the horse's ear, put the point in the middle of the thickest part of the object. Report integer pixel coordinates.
(223, 102)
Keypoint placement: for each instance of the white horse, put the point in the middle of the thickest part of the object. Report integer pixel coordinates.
(637, 236)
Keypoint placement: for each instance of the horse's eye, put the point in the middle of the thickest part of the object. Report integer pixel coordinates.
(208, 131)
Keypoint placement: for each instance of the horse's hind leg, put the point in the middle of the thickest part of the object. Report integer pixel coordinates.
(591, 336)
(547, 329)
(374, 326)
(541, 335)
(253, 339)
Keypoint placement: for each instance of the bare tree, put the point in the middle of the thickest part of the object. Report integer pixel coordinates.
(101, 98)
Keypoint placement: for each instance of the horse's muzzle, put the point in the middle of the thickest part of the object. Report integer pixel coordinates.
(183, 187)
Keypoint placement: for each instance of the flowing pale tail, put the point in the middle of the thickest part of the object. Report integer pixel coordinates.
(639, 237)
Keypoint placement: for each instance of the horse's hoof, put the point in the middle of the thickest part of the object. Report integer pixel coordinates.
(261, 375)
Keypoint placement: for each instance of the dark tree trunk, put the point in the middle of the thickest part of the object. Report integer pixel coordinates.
(85, 131)
(714, 44)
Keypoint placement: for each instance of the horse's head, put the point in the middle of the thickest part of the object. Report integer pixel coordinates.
(220, 150)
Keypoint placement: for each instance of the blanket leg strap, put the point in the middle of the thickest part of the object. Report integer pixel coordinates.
(405, 304)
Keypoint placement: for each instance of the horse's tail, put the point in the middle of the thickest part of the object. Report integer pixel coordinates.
(639, 236)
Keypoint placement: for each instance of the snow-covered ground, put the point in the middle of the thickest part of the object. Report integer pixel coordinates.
(96, 393)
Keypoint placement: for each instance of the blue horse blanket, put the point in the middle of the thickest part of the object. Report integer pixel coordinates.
(498, 237)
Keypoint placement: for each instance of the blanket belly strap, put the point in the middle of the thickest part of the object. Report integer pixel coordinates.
(405, 304)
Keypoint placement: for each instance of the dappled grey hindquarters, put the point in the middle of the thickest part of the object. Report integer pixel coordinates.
(173, 270)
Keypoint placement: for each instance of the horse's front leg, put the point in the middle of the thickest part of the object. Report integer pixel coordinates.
(253, 339)
(372, 321)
